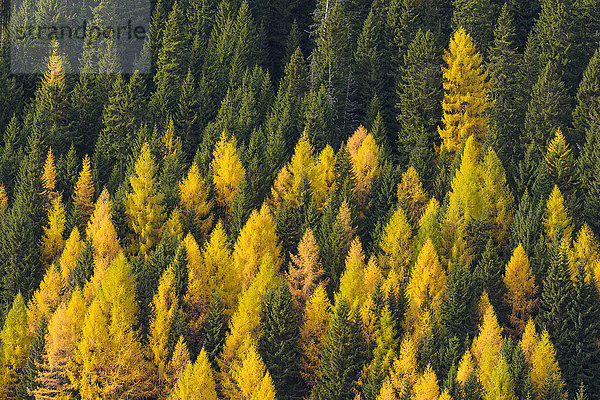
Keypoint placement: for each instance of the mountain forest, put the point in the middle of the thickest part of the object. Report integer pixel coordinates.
(308, 199)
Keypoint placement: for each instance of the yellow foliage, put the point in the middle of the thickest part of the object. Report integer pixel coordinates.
(352, 280)
(164, 307)
(70, 255)
(55, 74)
(487, 345)
(195, 202)
(196, 382)
(466, 87)
(251, 378)
(323, 178)
(52, 241)
(83, 194)
(426, 285)
(466, 368)
(501, 385)
(179, 361)
(364, 154)
(289, 180)
(483, 305)
(173, 226)
(521, 289)
(426, 387)
(14, 344)
(585, 252)
(45, 299)
(305, 270)
(257, 242)
(529, 341)
(544, 365)
(396, 245)
(170, 141)
(218, 265)
(313, 333)
(3, 199)
(49, 177)
(467, 184)
(227, 170)
(144, 205)
(556, 217)
(412, 196)
(496, 193)
(198, 293)
(403, 373)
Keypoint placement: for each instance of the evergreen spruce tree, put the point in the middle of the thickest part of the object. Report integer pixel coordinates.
(459, 308)
(588, 95)
(475, 16)
(488, 273)
(278, 344)
(215, 329)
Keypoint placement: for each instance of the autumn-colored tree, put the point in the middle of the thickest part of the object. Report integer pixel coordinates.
(501, 385)
(170, 142)
(83, 195)
(586, 252)
(45, 299)
(556, 217)
(70, 255)
(257, 242)
(545, 373)
(323, 178)
(396, 245)
(195, 202)
(521, 290)
(561, 168)
(466, 89)
(364, 154)
(14, 343)
(109, 353)
(403, 374)
(52, 241)
(144, 204)
(177, 364)
(164, 309)
(529, 341)
(313, 333)
(352, 280)
(49, 178)
(3, 199)
(218, 264)
(227, 170)
(198, 292)
(412, 196)
(305, 271)
(196, 382)
(487, 345)
(426, 285)
(426, 387)
(251, 378)
(103, 236)
(429, 227)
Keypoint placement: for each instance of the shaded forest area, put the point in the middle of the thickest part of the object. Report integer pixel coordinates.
(325, 200)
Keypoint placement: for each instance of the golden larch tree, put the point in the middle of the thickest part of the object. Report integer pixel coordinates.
(195, 201)
(466, 368)
(3, 199)
(529, 341)
(586, 252)
(305, 270)
(14, 345)
(256, 242)
(251, 378)
(323, 177)
(228, 171)
(196, 382)
(487, 345)
(545, 370)
(412, 196)
(53, 241)
(45, 299)
(352, 280)
(466, 88)
(556, 217)
(49, 178)
(83, 195)
(313, 334)
(177, 364)
(144, 205)
(521, 293)
(218, 264)
(364, 154)
(403, 374)
(501, 385)
(68, 259)
(198, 293)
(426, 387)
(396, 245)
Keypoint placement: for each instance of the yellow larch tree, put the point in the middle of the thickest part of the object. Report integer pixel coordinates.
(218, 264)
(198, 293)
(467, 184)
(170, 142)
(429, 227)
(144, 205)
(323, 179)
(501, 385)
(466, 88)
(466, 368)
(256, 242)
(251, 378)
(412, 196)
(195, 201)
(49, 178)
(544, 369)
(487, 345)
(305, 270)
(403, 374)
(163, 312)
(529, 341)
(103, 235)
(3, 199)
(68, 334)
(109, 352)
(177, 364)
(521, 290)
(228, 171)
(68, 259)
(426, 387)
(560, 164)
(396, 245)
(556, 217)
(45, 299)
(244, 326)
(53, 241)
(14, 344)
(364, 154)
(425, 288)
(196, 382)
(313, 333)
(83, 195)
(352, 280)
(586, 252)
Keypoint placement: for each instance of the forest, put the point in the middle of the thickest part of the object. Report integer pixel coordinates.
(306, 199)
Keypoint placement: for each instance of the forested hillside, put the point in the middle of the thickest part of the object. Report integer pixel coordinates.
(324, 200)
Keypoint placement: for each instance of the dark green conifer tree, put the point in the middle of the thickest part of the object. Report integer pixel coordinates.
(459, 310)
(84, 267)
(186, 116)
(11, 155)
(215, 329)
(588, 96)
(278, 345)
(475, 16)
(488, 275)
(318, 118)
